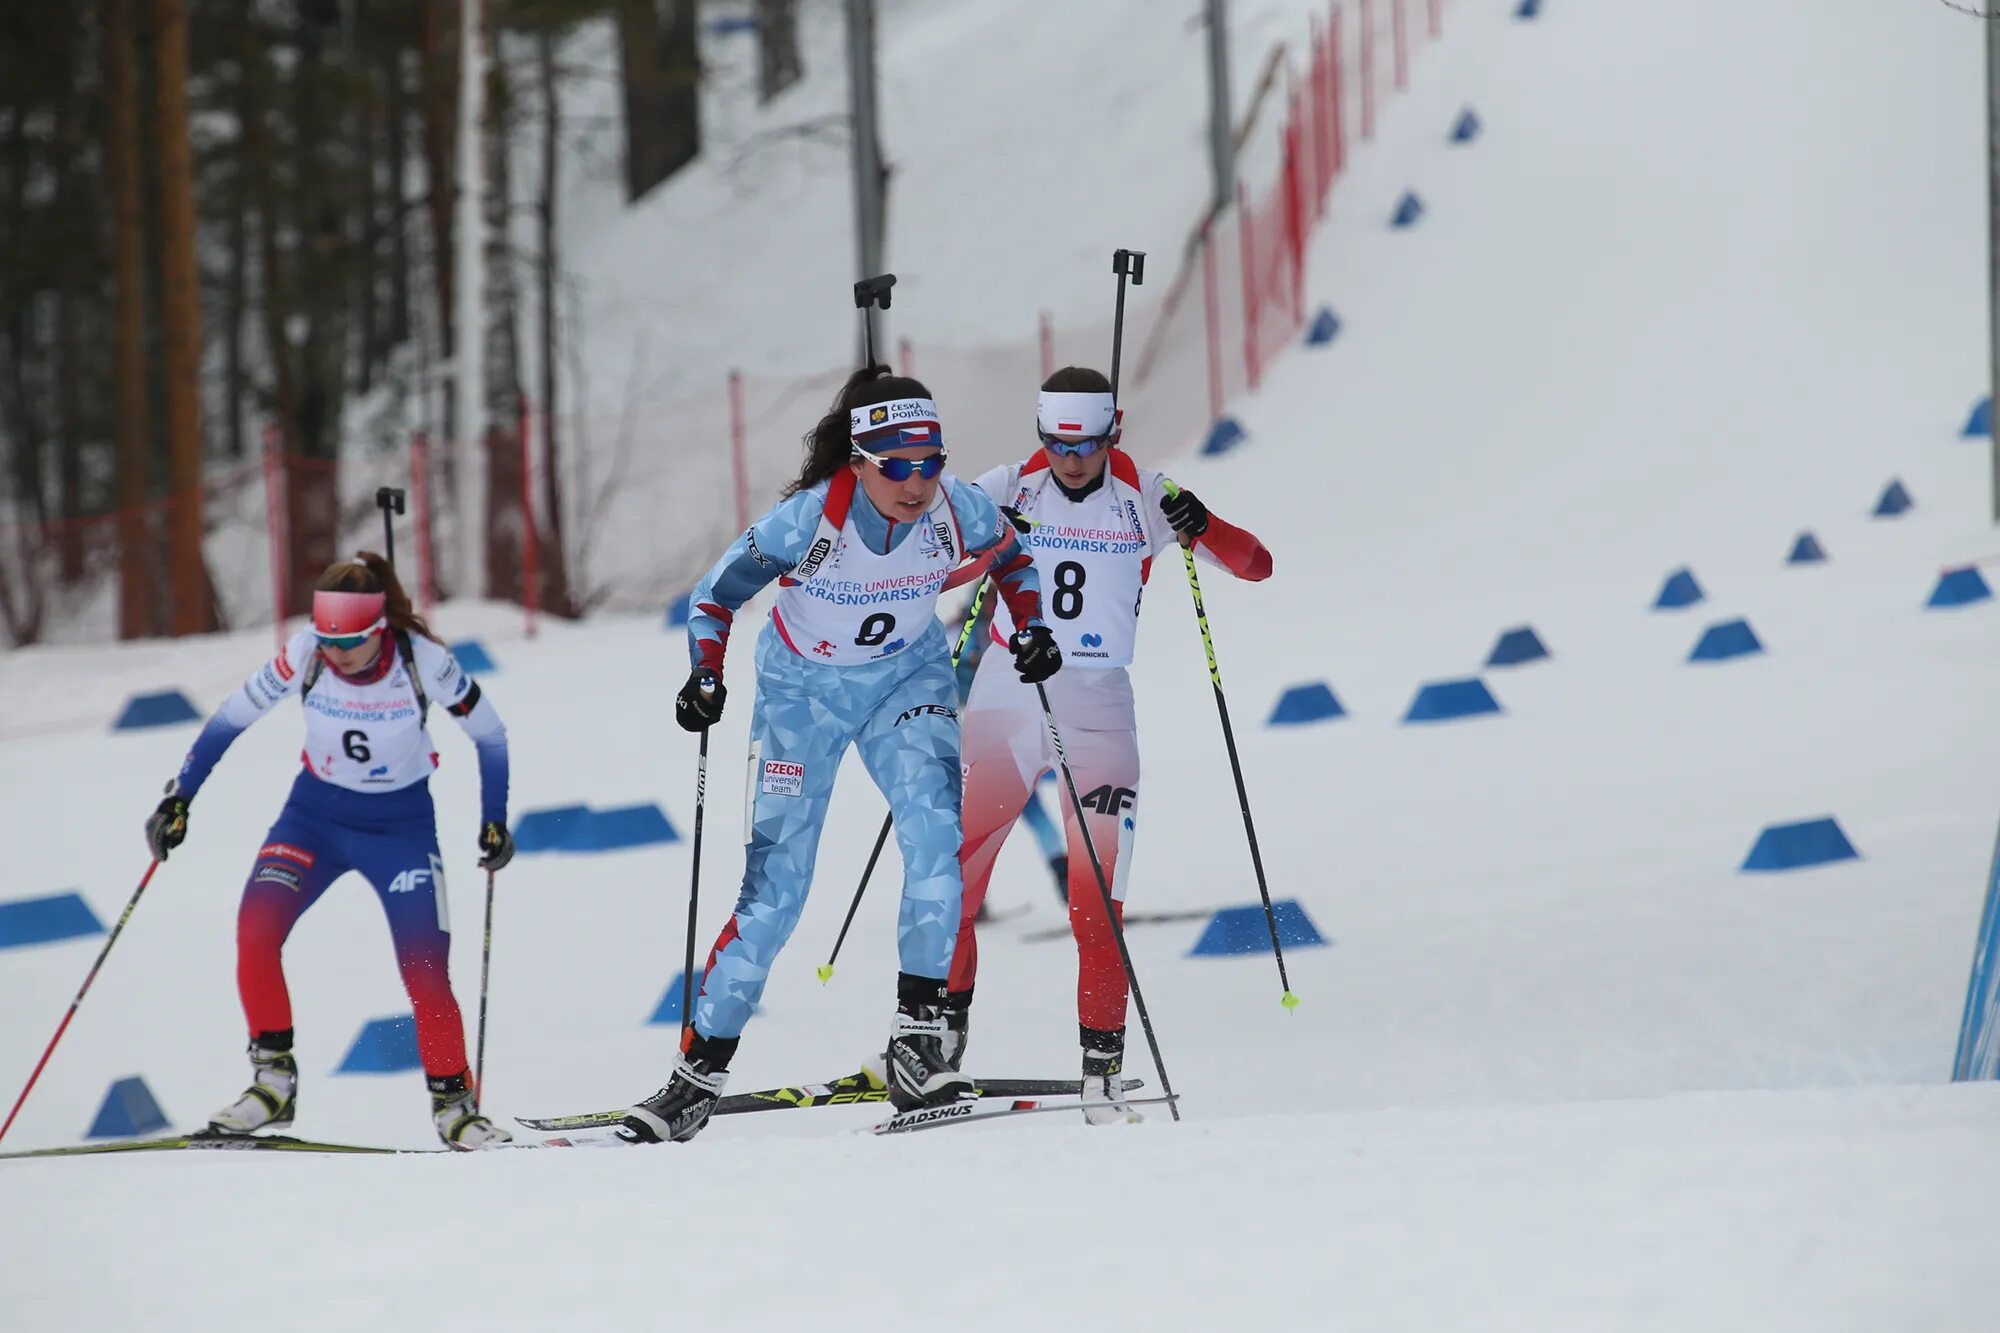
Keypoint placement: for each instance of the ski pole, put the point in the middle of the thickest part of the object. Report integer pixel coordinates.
(889, 820)
(485, 971)
(1110, 907)
(82, 990)
(1288, 999)
(694, 881)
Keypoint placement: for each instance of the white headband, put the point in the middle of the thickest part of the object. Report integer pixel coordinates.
(914, 414)
(1087, 414)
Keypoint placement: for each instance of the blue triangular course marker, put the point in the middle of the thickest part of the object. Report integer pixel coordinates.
(1894, 501)
(1241, 930)
(1981, 420)
(164, 709)
(1806, 551)
(472, 655)
(1959, 587)
(1517, 646)
(1445, 700)
(558, 829)
(629, 826)
(1408, 209)
(129, 1109)
(1678, 591)
(384, 1046)
(1466, 128)
(1223, 436)
(1726, 639)
(1323, 328)
(1306, 703)
(1529, 9)
(1811, 842)
(61, 916)
(679, 610)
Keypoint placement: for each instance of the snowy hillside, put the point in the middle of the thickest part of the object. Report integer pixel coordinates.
(1709, 277)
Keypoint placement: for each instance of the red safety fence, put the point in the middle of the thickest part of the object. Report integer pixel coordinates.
(642, 488)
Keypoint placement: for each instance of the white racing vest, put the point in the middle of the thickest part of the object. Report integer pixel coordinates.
(372, 737)
(844, 604)
(1092, 556)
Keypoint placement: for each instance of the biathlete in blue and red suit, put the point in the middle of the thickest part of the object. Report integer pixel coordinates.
(367, 672)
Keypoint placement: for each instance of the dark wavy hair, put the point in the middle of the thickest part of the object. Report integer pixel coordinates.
(827, 444)
(1077, 379)
(369, 572)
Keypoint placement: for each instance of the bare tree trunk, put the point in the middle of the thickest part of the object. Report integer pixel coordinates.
(398, 148)
(556, 595)
(778, 64)
(237, 296)
(136, 602)
(71, 369)
(181, 322)
(505, 522)
(657, 47)
(438, 90)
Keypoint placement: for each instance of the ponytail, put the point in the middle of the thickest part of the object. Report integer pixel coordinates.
(369, 572)
(828, 445)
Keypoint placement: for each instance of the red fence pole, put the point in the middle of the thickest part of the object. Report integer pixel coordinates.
(1048, 340)
(1245, 226)
(420, 500)
(1212, 317)
(1400, 28)
(531, 582)
(1338, 133)
(1295, 212)
(739, 461)
(275, 524)
(1437, 19)
(1367, 70)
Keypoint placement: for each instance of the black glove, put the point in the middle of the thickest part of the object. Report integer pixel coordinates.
(167, 826)
(497, 843)
(1021, 522)
(699, 704)
(1036, 656)
(1187, 513)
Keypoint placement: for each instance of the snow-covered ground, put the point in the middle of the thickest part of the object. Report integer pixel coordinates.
(1711, 276)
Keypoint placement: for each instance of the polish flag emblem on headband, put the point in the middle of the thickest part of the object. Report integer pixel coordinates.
(1091, 415)
(344, 613)
(901, 414)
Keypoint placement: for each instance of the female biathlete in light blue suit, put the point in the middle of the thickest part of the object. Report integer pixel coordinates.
(854, 654)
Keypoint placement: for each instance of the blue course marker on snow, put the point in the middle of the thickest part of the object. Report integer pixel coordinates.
(1895, 500)
(1301, 704)
(1241, 930)
(1408, 209)
(167, 708)
(1981, 420)
(1678, 591)
(61, 916)
(578, 828)
(383, 1046)
(1325, 325)
(1726, 639)
(1224, 435)
(1517, 646)
(1528, 9)
(1466, 128)
(1959, 587)
(1806, 551)
(129, 1109)
(472, 655)
(1446, 700)
(1810, 842)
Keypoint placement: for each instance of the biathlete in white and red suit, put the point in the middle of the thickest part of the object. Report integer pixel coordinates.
(1098, 522)
(853, 655)
(367, 672)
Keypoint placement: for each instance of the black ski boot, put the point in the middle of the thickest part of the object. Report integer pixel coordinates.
(957, 1027)
(677, 1112)
(920, 1074)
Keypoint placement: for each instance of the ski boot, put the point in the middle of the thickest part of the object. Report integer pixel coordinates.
(455, 1112)
(920, 1073)
(677, 1112)
(271, 1100)
(1103, 1078)
(957, 1032)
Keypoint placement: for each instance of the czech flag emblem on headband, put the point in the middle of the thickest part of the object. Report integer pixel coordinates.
(916, 435)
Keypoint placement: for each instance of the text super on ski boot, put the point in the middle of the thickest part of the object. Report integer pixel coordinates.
(957, 1032)
(920, 1072)
(677, 1112)
(1103, 1078)
(455, 1113)
(271, 1100)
